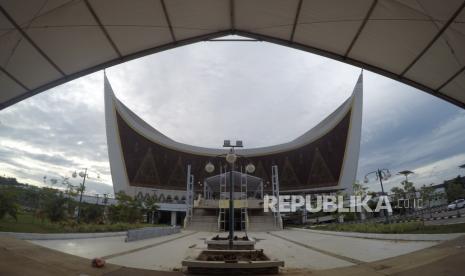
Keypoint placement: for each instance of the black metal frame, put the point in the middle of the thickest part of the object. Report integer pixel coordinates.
(231, 190)
(362, 26)
(102, 28)
(435, 38)
(233, 31)
(29, 39)
(168, 20)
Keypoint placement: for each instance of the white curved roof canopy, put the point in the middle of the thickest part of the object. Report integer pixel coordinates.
(352, 104)
(46, 43)
(351, 108)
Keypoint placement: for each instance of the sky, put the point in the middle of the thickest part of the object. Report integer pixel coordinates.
(201, 94)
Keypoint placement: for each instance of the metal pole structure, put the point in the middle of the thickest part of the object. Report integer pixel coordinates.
(204, 189)
(231, 207)
(231, 159)
(386, 212)
(190, 195)
(80, 197)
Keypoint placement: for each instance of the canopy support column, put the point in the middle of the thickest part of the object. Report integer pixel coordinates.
(189, 196)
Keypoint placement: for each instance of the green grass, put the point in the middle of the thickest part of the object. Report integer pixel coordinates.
(396, 228)
(28, 224)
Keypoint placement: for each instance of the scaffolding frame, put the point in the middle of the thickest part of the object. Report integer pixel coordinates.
(275, 191)
(223, 196)
(190, 195)
(244, 205)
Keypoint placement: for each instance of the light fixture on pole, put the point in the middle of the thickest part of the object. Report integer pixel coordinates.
(405, 173)
(209, 168)
(250, 168)
(82, 187)
(231, 158)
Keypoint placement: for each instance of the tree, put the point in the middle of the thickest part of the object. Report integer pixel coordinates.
(398, 195)
(426, 193)
(55, 208)
(359, 189)
(410, 192)
(340, 217)
(52, 204)
(404, 195)
(92, 213)
(372, 203)
(128, 209)
(8, 205)
(71, 190)
(454, 190)
(150, 207)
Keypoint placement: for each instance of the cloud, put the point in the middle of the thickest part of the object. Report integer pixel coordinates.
(261, 93)
(434, 156)
(55, 133)
(201, 94)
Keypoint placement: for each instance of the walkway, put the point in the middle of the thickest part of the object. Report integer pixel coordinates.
(299, 249)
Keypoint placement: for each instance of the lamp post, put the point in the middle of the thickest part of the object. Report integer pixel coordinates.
(381, 174)
(231, 158)
(105, 199)
(82, 187)
(405, 173)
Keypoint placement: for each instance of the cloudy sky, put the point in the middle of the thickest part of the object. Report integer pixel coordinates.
(201, 94)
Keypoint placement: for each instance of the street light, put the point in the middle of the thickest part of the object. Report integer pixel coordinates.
(381, 174)
(82, 187)
(406, 174)
(250, 168)
(105, 199)
(231, 158)
(462, 166)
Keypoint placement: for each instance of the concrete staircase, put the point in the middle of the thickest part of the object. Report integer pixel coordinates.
(204, 223)
(203, 220)
(262, 223)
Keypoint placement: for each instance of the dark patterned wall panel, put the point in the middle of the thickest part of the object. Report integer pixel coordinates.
(317, 164)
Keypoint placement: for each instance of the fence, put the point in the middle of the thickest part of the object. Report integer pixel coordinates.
(150, 232)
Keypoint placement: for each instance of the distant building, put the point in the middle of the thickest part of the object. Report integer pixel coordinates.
(96, 199)
(439, 196)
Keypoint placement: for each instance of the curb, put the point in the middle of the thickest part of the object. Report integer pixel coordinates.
(61, 236)
(391, 237)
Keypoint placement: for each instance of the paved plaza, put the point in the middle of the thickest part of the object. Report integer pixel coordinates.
(300, 249)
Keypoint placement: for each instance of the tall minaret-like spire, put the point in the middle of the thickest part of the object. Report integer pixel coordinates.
(350, 165)
(117, 167)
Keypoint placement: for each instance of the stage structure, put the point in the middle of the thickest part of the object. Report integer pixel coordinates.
(146, 163)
